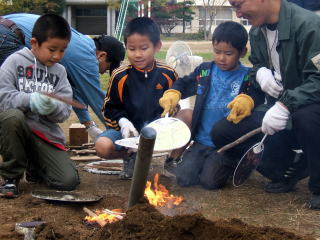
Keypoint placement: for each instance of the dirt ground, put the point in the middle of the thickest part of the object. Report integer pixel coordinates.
(246, 212)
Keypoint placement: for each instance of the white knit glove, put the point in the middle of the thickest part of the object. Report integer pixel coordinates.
(127, 128)
(42, 104)
(269, 84)
(275, 119)
(93, 131)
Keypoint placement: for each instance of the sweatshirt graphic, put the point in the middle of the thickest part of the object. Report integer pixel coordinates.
(21, 74)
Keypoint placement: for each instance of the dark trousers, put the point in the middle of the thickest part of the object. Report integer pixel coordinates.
(278, 155)
(21, 150)
(201, 165)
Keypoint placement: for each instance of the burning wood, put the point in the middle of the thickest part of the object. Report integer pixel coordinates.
(159, 196)
(103, 217)
(116, 212)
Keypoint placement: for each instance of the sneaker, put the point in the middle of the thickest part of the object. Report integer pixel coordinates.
(32, 178)
(10, 188)
(315, 202)
(297, 171)
(280, 187)
(128, 167)
(169, 167)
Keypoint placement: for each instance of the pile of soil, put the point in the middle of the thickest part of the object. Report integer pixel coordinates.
(143, 221)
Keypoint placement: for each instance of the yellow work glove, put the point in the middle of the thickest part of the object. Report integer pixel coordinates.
(241, 107)
(169, 101)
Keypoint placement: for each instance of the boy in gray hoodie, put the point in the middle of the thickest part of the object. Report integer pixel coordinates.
(30, 137)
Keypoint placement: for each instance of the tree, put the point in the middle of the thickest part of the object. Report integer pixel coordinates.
(32, 6)
(183, 12)
(211, 8)
(161, 13)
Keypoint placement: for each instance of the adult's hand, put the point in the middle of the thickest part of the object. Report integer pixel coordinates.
(275, 119)
(269, 83)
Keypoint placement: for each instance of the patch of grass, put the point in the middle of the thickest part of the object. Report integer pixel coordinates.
(161, 56)
(104, 79)
(207, 56)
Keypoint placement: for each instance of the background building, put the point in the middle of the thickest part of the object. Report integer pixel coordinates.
(91, 17)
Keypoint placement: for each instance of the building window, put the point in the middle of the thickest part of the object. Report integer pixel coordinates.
(102, 11)
(91, 20)
(218, 13)
(244, 21)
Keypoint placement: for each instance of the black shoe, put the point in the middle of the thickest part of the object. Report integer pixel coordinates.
(169, 168)
(128, 167)
(297, 171)
(280, 187)
(32, 178)
(10, 188)
(315, 202)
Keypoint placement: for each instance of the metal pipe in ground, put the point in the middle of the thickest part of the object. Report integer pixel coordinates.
(142, 165)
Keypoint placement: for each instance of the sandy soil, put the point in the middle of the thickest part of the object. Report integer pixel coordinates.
(243, 212)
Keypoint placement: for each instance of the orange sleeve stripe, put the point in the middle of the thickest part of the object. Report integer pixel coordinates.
(168, 79)
(110, 120)
(114, 127)
(115, 72)
(120, 86)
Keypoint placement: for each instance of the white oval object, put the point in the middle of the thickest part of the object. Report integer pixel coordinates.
(172, 133)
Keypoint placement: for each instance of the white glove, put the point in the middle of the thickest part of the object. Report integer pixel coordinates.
(42, 104)
(275, 119)
(127, 128)
(93, 131)
(269, 84)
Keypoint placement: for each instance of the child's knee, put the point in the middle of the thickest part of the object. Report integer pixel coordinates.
(186, 177)
(14, 119)
(214, 182)
(67, 182)
(104, 147)
(216, 173)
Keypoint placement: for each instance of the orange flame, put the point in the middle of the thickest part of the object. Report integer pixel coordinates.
(108, 218)
(159, 196)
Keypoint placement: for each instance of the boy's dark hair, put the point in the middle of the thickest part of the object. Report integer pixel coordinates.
(143, 26)
(114, 48)
(51, 26)
(233, 33)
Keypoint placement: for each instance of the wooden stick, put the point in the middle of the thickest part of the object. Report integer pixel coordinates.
(240, 140)
(106, 164)
(92, 214)
(104, 168)
(68, 101)
(115, 214)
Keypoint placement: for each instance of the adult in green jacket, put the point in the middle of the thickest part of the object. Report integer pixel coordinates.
(285, 53)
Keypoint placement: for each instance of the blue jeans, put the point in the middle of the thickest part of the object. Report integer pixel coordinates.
(202, 165)
(9, 43)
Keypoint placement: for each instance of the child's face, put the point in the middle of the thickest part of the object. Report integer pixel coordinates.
(141, 51)
(226, 56)
(50, 51)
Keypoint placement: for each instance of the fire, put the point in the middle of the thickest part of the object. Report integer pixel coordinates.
(104, 216)
(159, 196)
